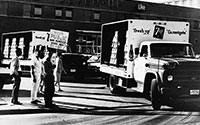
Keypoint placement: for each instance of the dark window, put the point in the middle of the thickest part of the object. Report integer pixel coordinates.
(3, 7)
(38, 11)
(144, 51)
(26, 10)
(58, 13)
(112, 3)
(15, 9)
(196, 41)
(196, 24)
(97, 16)
(68, 14)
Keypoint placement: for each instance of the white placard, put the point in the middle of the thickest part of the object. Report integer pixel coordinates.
(58, 39)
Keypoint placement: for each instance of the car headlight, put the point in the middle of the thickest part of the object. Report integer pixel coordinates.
(170, 78)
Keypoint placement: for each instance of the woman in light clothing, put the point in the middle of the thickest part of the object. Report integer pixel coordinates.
(58, 70)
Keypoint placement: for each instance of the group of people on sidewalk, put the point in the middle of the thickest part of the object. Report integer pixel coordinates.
(43, 71)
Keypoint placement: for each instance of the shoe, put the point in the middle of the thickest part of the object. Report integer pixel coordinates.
(41, 92)
(60, 90)
(50, 106)
(17, 103)
(34, 102)
(38, 101)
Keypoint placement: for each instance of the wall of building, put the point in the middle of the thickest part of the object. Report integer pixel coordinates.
(73, 15)
(185, 3)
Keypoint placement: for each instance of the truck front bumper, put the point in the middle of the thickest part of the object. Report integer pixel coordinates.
(180, 92)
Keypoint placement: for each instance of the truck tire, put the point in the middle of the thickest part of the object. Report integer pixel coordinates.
(147, 89)
(155, 95)
(113, 85)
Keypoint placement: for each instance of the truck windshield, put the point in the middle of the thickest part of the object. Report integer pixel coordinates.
(171, 50)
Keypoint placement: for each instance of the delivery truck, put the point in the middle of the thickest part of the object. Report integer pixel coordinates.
(26, 40)
(152, 57)
(75, 64)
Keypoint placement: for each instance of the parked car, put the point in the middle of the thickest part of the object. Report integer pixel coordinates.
(75, 64)
(93, 67)
(5, 77)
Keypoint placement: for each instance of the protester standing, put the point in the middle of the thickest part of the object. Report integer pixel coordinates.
(48, 81)
(36, 71)
(16, 74)
(41, 86)
(58, 70)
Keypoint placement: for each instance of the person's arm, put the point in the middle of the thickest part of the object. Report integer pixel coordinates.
(13, 67)
(57, 65)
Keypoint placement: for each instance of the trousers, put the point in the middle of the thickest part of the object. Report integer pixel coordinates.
(16, 85)
(35, 86)
(49, 89)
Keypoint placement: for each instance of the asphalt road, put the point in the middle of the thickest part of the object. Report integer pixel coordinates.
(91, 103)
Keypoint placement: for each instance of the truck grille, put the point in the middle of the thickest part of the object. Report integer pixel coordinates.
(186, 74)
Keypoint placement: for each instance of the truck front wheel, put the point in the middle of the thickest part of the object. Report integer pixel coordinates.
(155, 95)
(113, 85)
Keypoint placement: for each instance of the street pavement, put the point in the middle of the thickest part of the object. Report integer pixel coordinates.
(24, 97)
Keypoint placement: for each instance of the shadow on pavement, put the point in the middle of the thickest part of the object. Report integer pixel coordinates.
(22, 93)
(134, 107)
(89, 80)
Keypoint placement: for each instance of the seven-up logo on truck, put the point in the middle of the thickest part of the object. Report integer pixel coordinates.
(158, 32)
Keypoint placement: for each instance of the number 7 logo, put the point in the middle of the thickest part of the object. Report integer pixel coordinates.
(159, 32)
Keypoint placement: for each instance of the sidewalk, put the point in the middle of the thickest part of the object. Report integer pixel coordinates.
(7, 108)
(24, 97)
(65, 101)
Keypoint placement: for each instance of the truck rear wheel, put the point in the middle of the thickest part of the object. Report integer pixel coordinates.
(155, 95)
(113, 85)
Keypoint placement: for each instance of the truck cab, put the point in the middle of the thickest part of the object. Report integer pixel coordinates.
(162, 54)
(167, 69)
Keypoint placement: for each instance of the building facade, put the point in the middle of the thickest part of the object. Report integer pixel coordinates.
(184, 3)
(83, 18)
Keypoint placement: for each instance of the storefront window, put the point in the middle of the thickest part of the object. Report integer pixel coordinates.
(88, 42)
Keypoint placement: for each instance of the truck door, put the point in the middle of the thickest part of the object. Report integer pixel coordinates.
(140, 65)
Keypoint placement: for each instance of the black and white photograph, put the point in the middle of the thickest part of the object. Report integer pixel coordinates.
(99, 62)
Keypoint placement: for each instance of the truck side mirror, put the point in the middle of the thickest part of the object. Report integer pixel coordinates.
(136, 51)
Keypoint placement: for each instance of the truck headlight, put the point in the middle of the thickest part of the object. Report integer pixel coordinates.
(84, 63)
(170, 78)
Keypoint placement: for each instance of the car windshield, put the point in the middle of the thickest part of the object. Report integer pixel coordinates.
(171, 50)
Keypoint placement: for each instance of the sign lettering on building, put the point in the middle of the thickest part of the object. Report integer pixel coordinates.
(141, 7)
(93, 3)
